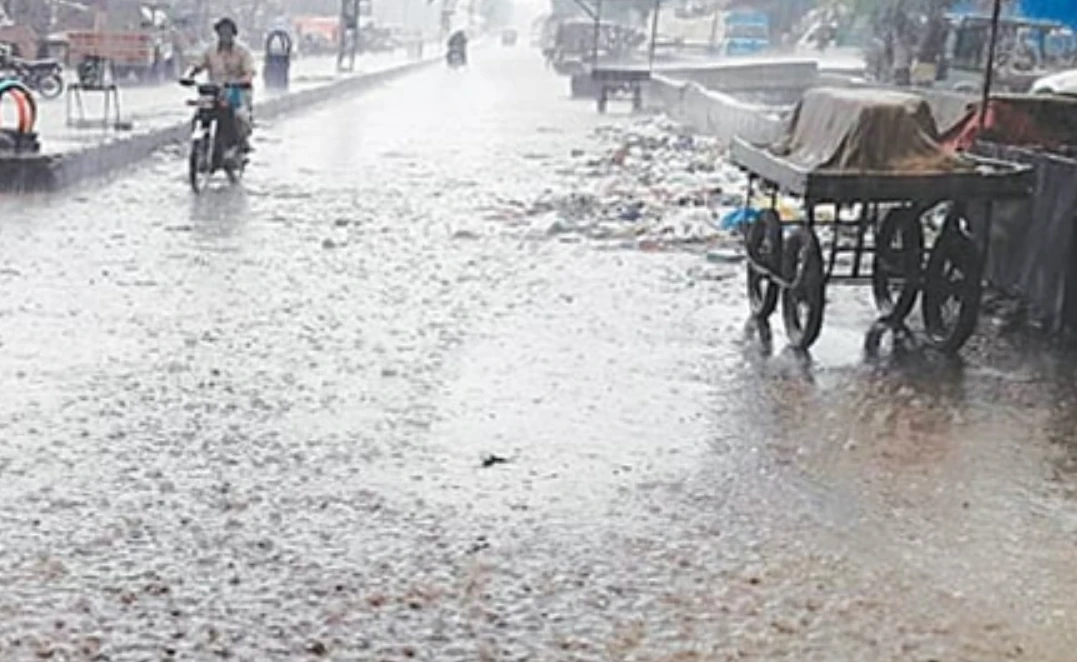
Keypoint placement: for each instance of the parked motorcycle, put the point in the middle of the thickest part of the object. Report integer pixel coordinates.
(42, 76)
(215, 136)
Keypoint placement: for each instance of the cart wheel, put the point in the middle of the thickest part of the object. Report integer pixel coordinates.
(899, 259)
(803, 303)
(952, 289)
(764, 248)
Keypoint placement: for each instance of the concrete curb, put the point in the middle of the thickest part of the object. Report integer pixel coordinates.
(54, 171)
(713, 113)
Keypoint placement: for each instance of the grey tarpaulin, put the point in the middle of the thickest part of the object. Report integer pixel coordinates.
(1033, 243)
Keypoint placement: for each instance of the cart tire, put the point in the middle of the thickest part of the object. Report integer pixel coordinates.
(952, 289)
(803, 304)
(899, 256)
(763, 244)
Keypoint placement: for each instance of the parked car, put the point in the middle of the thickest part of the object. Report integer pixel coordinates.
(1063, 82)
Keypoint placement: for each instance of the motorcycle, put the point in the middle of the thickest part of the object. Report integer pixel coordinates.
(42, 76)
(215, 136)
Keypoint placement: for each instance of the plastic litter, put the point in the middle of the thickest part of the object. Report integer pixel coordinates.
(651, 185)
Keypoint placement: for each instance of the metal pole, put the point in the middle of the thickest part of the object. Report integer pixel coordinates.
(598, 30)
(585, 7)
(654, 33)
(989, 75)
(714, 29)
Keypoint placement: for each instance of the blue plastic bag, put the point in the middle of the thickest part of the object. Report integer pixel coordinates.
(739, 218)
(235, 97)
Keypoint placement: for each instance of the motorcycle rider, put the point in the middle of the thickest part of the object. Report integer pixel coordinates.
(458, 44)
(231, 63)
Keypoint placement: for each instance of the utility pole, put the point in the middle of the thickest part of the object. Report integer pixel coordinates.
(448, 8)
(654, 33)
(989, 74)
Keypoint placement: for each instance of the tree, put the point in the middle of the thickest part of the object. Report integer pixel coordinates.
(620, 11)
(496, 13)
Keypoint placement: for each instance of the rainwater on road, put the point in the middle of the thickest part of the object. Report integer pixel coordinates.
(352, 410)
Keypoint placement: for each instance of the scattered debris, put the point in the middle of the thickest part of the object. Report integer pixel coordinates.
(652, 187)
(491, 459)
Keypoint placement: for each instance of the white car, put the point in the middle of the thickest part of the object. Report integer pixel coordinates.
(1064, 82)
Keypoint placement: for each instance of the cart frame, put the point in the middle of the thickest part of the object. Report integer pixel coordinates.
(893, 209)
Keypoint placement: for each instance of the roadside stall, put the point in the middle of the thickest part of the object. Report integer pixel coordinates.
(1033, 241)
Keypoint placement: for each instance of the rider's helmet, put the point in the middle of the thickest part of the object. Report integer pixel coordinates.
(226, 23)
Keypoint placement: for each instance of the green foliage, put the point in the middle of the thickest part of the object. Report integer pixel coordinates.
(624, 11)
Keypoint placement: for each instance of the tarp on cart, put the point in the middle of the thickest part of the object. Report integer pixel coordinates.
(838, 129)
(1033, 121)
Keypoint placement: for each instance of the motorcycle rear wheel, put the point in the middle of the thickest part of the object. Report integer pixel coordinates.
(50, 86)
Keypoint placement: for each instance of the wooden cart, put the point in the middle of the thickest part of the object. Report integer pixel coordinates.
(881, 215)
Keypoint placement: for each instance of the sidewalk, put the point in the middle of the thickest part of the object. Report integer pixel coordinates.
(161, 117)
(155, 107)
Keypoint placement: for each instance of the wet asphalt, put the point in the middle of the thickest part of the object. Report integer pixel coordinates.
(353, 410)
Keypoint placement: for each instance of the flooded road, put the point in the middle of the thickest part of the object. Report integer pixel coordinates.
(353, 411)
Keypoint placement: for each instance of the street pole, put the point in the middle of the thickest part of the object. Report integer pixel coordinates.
(598, 30)
(714, 28)
(989, 75)
(654, 33)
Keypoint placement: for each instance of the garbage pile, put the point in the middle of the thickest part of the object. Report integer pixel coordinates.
(651, 186)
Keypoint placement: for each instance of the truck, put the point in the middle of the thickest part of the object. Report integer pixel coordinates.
(138, 39)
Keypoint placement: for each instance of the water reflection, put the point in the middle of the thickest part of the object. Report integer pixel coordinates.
(219, 211)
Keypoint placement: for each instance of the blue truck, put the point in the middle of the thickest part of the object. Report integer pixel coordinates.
(1063, 11)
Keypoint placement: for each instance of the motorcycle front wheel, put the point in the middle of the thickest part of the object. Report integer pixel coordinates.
(50, 86)
(200, 165)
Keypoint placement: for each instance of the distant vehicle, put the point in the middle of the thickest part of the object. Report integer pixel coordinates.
(1022, 58)
(573, 48)
(456, 56)
(140, 54)
(1063, 82)
(317, 35)
(744, 33)
(508, 37)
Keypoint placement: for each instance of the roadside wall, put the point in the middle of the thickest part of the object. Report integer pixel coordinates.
(711, 112)
(738, 76)
(751, 100)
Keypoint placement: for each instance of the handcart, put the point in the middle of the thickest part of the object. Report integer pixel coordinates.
(873, 181)
(625, 80)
